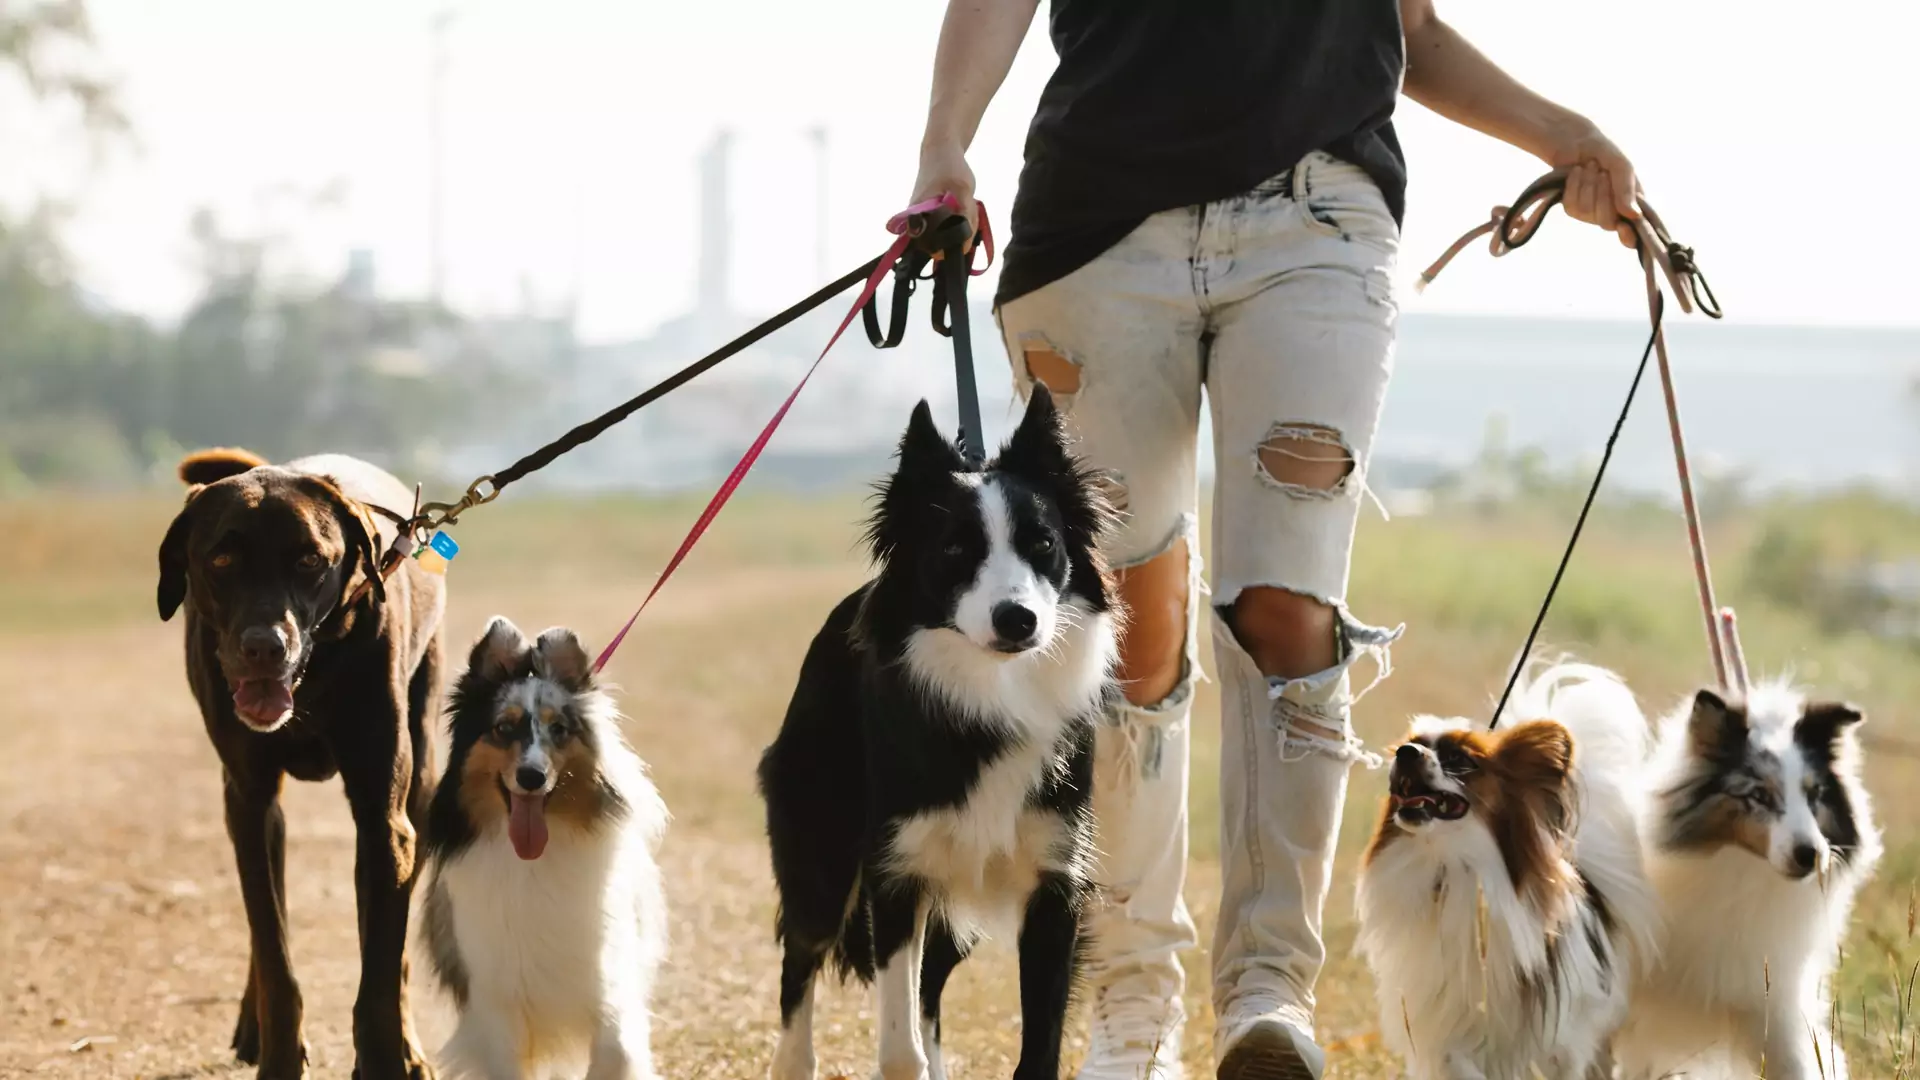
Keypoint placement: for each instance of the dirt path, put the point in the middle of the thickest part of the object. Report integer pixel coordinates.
(124, 940)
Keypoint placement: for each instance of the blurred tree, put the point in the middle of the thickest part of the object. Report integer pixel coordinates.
(49, 46)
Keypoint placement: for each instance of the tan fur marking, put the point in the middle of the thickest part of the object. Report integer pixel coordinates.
(576, 798)
(480, 784)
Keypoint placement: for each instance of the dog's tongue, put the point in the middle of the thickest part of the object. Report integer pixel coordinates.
(263, 701)
(527, 825)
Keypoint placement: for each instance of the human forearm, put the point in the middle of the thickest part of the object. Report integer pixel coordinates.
(978, 42)
(1448, 75)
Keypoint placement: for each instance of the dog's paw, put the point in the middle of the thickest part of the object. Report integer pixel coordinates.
(413, 1065)
(246, 1033)
(292, 1067)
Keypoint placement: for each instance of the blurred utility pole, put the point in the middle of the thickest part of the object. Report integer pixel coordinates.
(436, 150)
(819, 136)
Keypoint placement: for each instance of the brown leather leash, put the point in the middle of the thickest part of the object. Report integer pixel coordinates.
(1510, 227)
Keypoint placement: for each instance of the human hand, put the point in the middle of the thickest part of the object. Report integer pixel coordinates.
(1601, 187)
(943, 169)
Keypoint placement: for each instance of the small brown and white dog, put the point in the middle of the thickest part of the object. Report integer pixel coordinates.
(1503, 902)
(545, 918)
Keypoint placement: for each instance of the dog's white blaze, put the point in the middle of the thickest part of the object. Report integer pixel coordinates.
(984, 856)
(532, 697)
(1747, 948)
(560, 951)
(897, 1007)
(1003, 577)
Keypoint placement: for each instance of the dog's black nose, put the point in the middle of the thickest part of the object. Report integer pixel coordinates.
(262, 646)
(1804, 857)
(1013, 622)
(531, 779)
(1407, 756)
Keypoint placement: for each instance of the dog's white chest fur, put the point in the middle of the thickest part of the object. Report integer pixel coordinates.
(553, 946)
(986, 854)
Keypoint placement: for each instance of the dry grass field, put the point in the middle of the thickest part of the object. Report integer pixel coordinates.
(122, 942)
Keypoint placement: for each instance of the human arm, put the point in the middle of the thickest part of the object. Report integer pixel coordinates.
(978, 41)
(1448, 75)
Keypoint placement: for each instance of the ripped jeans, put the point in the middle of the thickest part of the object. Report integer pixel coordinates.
(1279, 304)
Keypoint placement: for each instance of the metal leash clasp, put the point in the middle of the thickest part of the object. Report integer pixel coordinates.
(435, 514)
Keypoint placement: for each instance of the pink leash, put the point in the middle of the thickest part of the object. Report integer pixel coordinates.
(905, 227)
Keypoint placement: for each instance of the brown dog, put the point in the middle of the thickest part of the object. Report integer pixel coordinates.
(291, 681)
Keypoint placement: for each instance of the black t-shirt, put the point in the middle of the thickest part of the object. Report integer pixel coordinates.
(1159, 104)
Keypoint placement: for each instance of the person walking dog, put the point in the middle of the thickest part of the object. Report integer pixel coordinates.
(1211, 198)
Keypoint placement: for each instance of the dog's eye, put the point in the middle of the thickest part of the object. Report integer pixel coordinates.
(222, 561)
(503, 731)
(1453, 759)
(953, 551)
(311, 562)
(1816, 791)
(558, 732)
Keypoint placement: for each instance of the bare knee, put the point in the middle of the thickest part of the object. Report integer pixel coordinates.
(1153, 648)
(1289, 635)
(1306, 459)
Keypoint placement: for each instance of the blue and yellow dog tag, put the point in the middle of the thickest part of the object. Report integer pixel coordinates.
(439, 551)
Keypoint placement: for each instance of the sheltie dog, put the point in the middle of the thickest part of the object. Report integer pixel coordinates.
(933, 776)
(544, 919)
(1758, 835)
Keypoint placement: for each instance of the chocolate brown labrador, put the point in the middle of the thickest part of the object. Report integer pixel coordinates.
(292, 680)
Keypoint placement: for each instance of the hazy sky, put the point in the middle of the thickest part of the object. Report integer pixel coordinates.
(1779, 139)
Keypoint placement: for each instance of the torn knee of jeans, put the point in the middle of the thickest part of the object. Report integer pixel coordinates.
(1307, 461)
(1314, 711)
(1048, 364)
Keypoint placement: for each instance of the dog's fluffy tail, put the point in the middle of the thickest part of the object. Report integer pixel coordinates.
(207, 466)
(1594, 705)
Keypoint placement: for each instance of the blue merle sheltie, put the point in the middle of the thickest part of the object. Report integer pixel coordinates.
(932, 781)
(545, 919)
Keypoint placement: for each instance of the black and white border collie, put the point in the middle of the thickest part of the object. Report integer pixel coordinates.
(933, 778)
(545, 919)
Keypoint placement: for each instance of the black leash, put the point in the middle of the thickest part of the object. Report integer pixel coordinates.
(592, 429)
(1580, 523)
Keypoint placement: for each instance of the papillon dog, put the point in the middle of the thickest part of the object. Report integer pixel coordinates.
(933, 776)
(1503, 902)
(545, 919)
(1758, 835)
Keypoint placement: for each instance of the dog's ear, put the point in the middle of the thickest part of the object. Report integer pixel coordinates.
(1823, 724)
(501, 651)
(203, 467)
(1037, 449)
(559, 657)
(1536, 758)
(362, 536)
(924, 450)
(173, 559)
(1715, 728)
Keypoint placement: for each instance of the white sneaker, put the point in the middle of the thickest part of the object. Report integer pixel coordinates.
(1274, 1043)
(1135, 1034)
(1281, 793)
